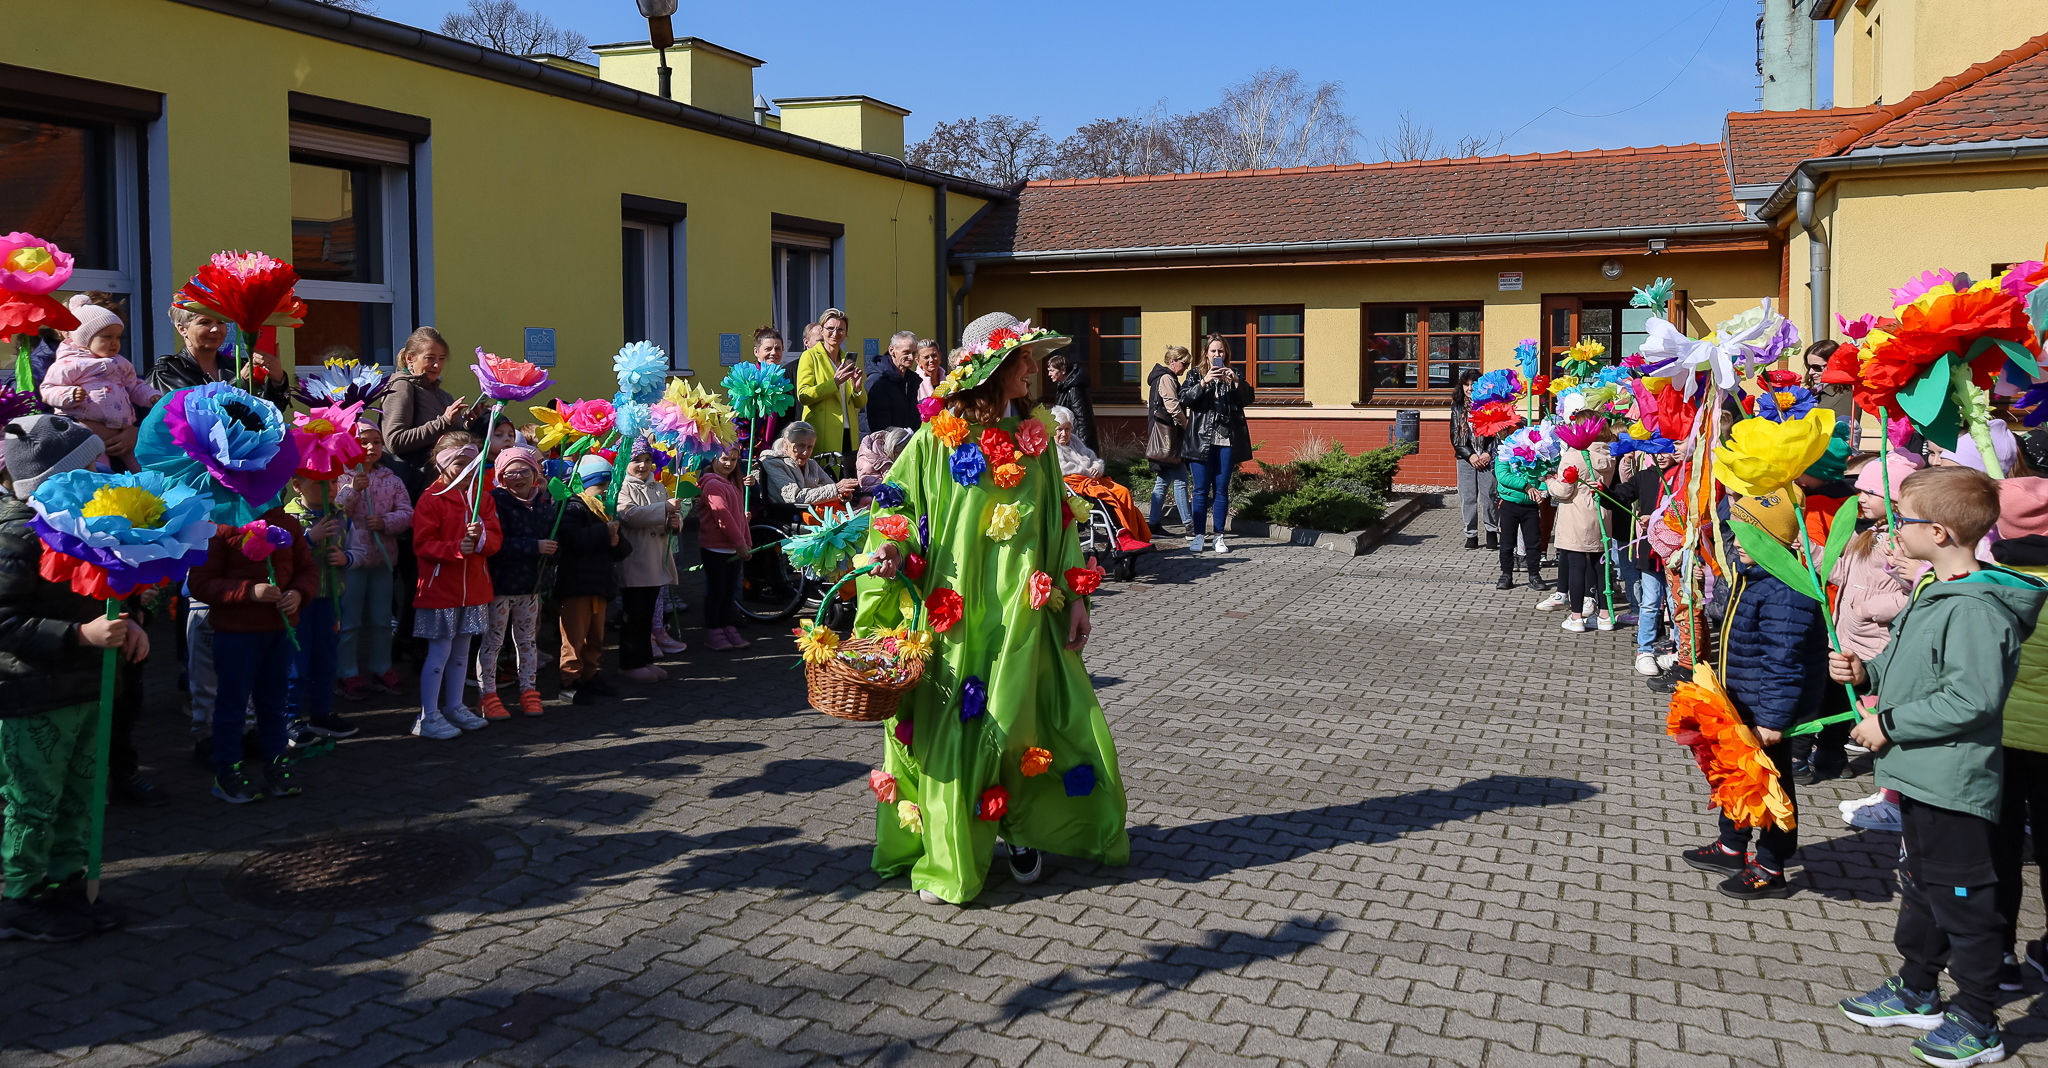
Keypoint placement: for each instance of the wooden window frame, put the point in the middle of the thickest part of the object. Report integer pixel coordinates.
(1575, 304)
(1265, 393)
(1427, 396)
(1098, 392)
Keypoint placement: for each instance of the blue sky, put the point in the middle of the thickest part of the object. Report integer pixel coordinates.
(1635, 73)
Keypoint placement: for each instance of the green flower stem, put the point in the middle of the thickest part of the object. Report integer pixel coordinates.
(24, 367)
(96, 845)
(1834, 642)
(289, 631)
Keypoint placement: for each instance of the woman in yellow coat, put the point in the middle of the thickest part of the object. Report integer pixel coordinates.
(829, 382)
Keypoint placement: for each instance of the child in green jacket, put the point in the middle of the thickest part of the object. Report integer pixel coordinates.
(1520, 497)
(1935, 724)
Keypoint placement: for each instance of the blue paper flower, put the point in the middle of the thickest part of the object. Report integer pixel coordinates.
(643, 371)
(755, 390)
(924, 531)
(222, 442)
(1656, 296)
(969, 464)
(973, 698)
(890, 495)
(340, 383)
(1526, 356)
(1079, 780)
(128, 529)
(1782, 404)
(1502, 385)
(1654, 445)
(630, 417)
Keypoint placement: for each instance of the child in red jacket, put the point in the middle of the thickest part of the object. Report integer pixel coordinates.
(452, 605)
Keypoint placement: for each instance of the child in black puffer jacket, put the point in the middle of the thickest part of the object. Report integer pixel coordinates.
(527, 516)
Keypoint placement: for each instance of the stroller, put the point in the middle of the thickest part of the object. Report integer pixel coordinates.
(1105, 541)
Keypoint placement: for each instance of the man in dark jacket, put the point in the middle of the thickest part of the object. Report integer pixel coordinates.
(1773, 662)
(1070, 390)
(50, 642)
(892, 388)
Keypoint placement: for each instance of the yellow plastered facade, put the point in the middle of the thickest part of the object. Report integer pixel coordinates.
(1886, 50)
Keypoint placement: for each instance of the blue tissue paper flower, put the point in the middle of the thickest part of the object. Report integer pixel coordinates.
(1079, 780)
(973, 698)
(969, 464)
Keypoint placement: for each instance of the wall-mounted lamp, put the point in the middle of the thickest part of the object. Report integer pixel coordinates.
(661, 34)
(1657, 246)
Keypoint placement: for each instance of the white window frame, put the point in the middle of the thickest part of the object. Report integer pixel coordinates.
(125, 277)
(392, 161)
(826, 283)
(663, 274)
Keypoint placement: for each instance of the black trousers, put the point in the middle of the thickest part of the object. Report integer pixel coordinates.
(2026, 799)
(1774, 847)
(1575, 577)
(1518, 517)
(721, 588)
(1948, 906)
(636, 629)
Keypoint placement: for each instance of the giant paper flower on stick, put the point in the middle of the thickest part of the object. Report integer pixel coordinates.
(755, 390)
(1495, 386)
(224, 443)
(248, 289)
(1494, 417)
(502, 379)
(108, 535)
(706, 421)
(1762, 457)
(327, 442)
(829, 542)
(1580, 433)
(642, 369)
(1742, 782)
(341, 382)
(29, 264)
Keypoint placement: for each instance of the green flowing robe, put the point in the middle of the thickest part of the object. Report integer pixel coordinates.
(1039, 694)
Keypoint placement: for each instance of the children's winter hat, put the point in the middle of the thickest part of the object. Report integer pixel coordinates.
(2022, 507)
(92, 320)
(39, 446)
(1774, 512)
(518, 454)
(593, 470)
(2003, 445)
(1871, 478)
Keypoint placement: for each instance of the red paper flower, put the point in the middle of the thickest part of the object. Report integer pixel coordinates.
(1540, 386)
(913, 566)
(893, 527)
(1084, 580)
(248, 289)
(944, 608)
(25, 313)
(884, 786)
(1032, 437)
(1041, 588)
(995, 803)
(1569, 476)
(1778, 378)
(1000, 336)
(998, 447)
(1497, 417)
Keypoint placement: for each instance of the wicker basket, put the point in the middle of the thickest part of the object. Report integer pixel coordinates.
(840, 691)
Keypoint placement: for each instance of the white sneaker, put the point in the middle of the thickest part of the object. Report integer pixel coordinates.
(1575, 624)
(1646, 665)
(1219, 546)
(1853, 749)
(1195, 543)
(1883, 816)
(1606, 620)
(1850, 806)
(431, 725)
(1665, 660)
(1551, 603)
(465, 719)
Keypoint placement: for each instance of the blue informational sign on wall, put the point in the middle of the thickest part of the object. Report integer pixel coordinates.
(540, 346)
(728, 350)
(871, 348)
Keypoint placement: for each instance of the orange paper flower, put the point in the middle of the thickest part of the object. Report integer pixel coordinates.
(950, 429)
(1741, 780)
(893, 527)
(1008, 475)
(1036, 762)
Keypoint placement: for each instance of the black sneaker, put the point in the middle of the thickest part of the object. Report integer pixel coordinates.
(1712, 857)
(36, 918)
(135, 790)
(1026, 865)
(331, 727)
(1492, 540)
(102, 915)
(1507, 582)
(2036, 957)
(1471, 541)
(278, 780)
(234, 787)
(1669, 680)
(1536, 583)
(202, 752)
(1756, 882)
(1816, 773)
(596, 685)
(2009, 977)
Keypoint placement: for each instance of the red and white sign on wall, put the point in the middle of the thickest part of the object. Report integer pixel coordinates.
(1510, 281)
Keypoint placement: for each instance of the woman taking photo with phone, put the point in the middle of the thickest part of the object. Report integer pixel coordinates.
(1217, 439)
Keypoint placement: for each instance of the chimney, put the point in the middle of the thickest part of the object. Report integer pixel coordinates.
(706, 75)
(861, 123)
(1787, 56)
(760, 110)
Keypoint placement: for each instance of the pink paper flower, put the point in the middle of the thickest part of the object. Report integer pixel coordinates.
(508, 380)
(1041, 588)
(1920, 286)
(884, 786)
(258, 539)
(1032, 437)
(29, 264)
(1858, 328)
(327, 441)
(930, 406)
(590, 418)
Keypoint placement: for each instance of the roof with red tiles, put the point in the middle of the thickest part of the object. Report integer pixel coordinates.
(1763, 146)
(2003, 98)
(1448, 198)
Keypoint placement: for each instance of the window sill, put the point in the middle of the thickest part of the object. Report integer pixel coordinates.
(1265, 399)
(1420, 398)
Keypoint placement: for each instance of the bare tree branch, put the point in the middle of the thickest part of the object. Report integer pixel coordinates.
(998, 149)
(507, 27)
(1412, 140)
(1273, 119)
(360, 7)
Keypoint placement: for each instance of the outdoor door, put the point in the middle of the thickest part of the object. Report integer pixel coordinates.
(1603, 317)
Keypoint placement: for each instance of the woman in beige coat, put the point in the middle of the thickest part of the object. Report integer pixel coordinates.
(647, 516)
(1575, 489)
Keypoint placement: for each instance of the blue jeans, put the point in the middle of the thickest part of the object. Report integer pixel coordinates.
(1212, 483)
(365, 621)
(250, 665)
(1649, 608)
(1625, 566)
(1177, 476)
(315, 659)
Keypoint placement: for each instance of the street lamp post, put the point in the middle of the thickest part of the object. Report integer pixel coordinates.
(662, 34)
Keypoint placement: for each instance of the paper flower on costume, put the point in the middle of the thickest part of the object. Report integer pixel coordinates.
(903, 732)
(884, 786)
(642, 369)
(826, 544)
(108, 535)
(1009, 475)
(950, 429)
(997, 447)
(341, 382)
(1079, 509)
(1742, 782)
(1084, 580)
(890, 495)
(913, 566)
(943, 609)
(817, 644)
(1079, 780)
(326, 440)
(248, 289)
(973, 698)
(893, 527)
(1040, 588)
(1494, 417)
(968, 464)
(508, 380)
(1036, 762)
(1762, 457)
(994, 804)
(1778, 405)
(1004, 520)
(1032, 437)
(929, 408)
(909, 818)
(225, 443)
(755, 390)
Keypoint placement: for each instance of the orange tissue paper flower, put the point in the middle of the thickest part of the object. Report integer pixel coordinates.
(1741, 780)
(1036, 762)
(893, 527)
(950, 429)
(1008, 475)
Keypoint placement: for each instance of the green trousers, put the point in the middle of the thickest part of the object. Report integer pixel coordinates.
(46, 773)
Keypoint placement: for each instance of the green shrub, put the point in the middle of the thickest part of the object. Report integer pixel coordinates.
(1328, 507)
(1376, 468)
(1134, 472)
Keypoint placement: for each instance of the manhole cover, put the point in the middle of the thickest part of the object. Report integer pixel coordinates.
(357, 871)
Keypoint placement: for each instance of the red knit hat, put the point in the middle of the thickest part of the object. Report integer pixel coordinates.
(2022, 507)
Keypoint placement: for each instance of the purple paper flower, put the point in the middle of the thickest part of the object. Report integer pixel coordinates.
(1079, 780)
(924, 532)
(973, 698)
(509, 380)
(903, 733)
(968, 464)
(220, 441)
(890, 495)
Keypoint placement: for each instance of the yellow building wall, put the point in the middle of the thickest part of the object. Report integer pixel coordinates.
(525, 197)
(1718, 286)
(1887, 50)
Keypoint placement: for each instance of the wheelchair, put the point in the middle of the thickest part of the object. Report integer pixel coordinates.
(773, 589)
(1108, 543)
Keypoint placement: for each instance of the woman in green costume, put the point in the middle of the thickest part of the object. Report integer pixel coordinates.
(1004, 736)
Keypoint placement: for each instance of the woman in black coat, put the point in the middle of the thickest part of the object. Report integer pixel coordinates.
(1218, 439)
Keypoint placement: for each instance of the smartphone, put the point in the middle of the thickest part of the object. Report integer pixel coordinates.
(1215, 361)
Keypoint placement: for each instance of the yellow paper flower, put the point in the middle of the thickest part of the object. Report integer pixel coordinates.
(1762, 457)
(1003, 521)
(950, 429)
(818, 644)
(909, 818)
(915, 644)
(1586, 351)
(554, 429)
(1079, 508)
(1561, 383)
(138, 506)
(1639, 432)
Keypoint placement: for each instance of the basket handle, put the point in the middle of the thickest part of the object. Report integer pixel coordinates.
(824, 603)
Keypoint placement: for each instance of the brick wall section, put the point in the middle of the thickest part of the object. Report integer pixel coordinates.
(1277, 437)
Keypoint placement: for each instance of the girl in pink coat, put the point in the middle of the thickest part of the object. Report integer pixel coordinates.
(90, 381)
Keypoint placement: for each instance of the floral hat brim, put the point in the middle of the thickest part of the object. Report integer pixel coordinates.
(991, 340)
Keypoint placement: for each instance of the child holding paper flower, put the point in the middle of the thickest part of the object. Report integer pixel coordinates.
(648, 516)
(377, 509)
(724, 542)
(526, 515)
(453, 603)
(1575, 490)
(317, 633)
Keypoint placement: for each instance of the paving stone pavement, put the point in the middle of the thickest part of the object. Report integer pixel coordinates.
(1381, 814)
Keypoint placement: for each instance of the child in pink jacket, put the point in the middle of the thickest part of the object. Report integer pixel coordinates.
(373, 501)
(90, 381)
(724, 541)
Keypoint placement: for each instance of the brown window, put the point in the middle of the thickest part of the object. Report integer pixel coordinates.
(1106, 341)
(1420, 347)
(1266, 345)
